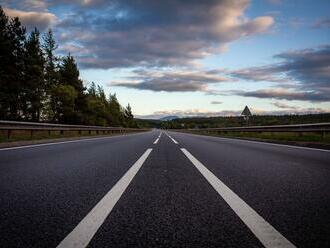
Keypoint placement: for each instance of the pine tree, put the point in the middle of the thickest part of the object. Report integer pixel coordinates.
(34, 88)
(115, 111)
(51, 73)
(69, 75)
(12, 38)
(129, 118)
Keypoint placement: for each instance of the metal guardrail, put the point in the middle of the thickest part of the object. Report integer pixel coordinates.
(10, 127)
(320, 128)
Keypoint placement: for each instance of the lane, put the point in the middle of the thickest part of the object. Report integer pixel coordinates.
(264, 231)
(169, 204)
(86, 229)
(288, 187)
(46, 191)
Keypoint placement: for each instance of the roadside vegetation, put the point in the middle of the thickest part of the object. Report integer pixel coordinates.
(282, 137)
(237, 121)
(37, 85)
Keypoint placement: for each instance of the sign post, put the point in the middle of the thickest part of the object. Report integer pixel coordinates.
(246, 114)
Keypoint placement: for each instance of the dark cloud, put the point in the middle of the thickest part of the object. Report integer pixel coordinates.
(282, 94)
(262, 73)
(308, 68)
(171, 81)
(322, 23)
(311, 67)
(156, 33)
(283, 105)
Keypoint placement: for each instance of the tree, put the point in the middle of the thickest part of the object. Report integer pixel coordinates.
(115, 111)
(12, 38)
(64, 98)
(34, 85)
(129, 118)
(51, 73)
(69, 75)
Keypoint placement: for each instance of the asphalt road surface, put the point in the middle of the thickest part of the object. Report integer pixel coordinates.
(164, 189)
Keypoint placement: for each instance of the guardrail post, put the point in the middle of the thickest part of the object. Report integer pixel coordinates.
(49, 132)
(62, 132)
(8, 133)
(31, 133)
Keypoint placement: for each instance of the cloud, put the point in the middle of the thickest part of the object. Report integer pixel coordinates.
(306, 72)
(322, 23)
(171, 80)
(283, 105)
(262, 73)
(283, 94)
(311, 67)
(189, 113)
(31, 19)
(216, 102)
(157, 33)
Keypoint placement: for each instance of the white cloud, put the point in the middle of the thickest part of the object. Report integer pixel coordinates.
(31, 19)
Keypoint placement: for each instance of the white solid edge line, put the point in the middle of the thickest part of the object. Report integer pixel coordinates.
(56, 143)
(269, 143)
(266, 233)
(274, 144)
(156, 141)
(82, 234)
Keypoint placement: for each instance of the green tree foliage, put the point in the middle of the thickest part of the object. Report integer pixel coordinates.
(51, 74)
(69, 75)
(36, 85)
(12, 39)
(116, 111)
(64, 97)
(236, 121)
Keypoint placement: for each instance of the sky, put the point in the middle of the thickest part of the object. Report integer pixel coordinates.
(193, 57)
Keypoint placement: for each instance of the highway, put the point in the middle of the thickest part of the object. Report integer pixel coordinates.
(164, 189)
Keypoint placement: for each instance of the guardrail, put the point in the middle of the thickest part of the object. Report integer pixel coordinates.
(318, 128)
(10, 129)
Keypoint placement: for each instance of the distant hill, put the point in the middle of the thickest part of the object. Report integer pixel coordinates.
(169, 118)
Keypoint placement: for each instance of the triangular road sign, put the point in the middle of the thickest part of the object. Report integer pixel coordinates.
(246, 111)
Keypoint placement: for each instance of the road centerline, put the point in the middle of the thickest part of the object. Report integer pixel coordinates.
(82, 234)
(156, 141)
(174, 141)
(264, 231)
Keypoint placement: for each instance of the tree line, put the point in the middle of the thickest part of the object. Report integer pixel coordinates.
(238, 121)
(37, 85)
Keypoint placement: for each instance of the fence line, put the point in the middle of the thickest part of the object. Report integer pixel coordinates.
(11, 128)
(318, 128)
